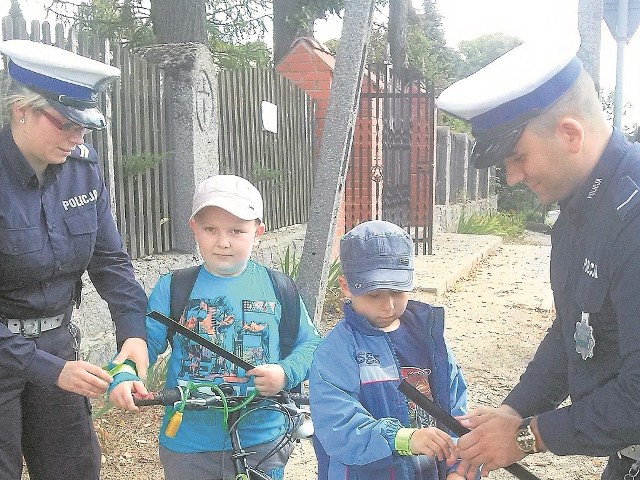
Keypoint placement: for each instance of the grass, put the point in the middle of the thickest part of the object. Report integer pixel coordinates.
(506, 224)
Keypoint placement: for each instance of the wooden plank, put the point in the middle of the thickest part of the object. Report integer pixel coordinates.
(149, 220)
(138, 192)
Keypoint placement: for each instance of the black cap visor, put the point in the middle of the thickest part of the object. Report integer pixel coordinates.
(487, 152)
(89, 117)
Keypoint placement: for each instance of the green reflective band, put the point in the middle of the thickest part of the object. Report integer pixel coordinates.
(402, 441)
(128, 366)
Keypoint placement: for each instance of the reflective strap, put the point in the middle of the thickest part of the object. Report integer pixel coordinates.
(402, 442)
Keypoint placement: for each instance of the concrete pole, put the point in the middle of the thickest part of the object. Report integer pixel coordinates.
(621, 41)
(337, 138)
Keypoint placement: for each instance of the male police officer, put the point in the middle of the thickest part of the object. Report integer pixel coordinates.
(55, 224)
(536, 109)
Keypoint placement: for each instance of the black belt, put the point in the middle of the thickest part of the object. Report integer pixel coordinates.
(33, 327)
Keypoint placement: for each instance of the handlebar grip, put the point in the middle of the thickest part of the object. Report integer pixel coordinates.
(163, 397)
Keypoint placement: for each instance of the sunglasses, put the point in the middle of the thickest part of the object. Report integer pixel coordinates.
(65, 127)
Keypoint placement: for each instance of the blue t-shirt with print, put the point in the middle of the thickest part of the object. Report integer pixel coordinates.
(242, 315)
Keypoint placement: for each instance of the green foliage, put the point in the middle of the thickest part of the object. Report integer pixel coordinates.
(483, 50)
(427, 51)
(608, 105)
(266, 173)
(514, 198)
(290, 263)
(456, 124)
(242, 55)
(509, 224)
(134, 164)
(15, 10)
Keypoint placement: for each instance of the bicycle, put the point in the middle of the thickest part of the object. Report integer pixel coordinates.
(222, 396)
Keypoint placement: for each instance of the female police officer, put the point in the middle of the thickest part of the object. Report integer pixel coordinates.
(55, 224)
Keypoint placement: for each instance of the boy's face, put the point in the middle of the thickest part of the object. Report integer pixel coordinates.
(225, 241)
(382, 308)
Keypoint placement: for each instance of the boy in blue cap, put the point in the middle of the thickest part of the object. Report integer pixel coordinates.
(364, 427)
(536, 109)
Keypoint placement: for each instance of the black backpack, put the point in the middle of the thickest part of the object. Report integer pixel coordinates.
(183, 280)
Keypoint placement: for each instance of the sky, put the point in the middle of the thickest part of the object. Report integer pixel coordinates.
(468, 19)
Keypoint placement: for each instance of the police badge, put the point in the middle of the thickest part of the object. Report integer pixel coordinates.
(584, 337)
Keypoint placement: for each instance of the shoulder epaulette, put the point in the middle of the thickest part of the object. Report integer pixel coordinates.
(626, 196)
(84, 152)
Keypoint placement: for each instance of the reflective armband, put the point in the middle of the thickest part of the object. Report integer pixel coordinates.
(128, 366)
(402, 442)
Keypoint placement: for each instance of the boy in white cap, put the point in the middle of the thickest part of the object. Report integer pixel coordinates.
(55, 224)
(364, 427)
(536, 109)
(235, 304)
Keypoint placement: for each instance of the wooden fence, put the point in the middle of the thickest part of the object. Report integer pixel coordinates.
(279, 163)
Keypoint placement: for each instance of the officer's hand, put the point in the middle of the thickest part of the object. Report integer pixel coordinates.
(491, 442)
(269, 379)
(122, 394)
(83, 378)
(134, 349)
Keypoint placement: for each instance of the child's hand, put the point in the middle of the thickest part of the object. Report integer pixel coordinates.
(122, 395)
(455, 476)
(269, 379)
(432, 442)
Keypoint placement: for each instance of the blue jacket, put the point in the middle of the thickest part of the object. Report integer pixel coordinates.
(50, 234)
(595, 270)
(353, 402)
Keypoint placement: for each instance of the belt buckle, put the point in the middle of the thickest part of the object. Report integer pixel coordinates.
(632, 452)
(36, 330)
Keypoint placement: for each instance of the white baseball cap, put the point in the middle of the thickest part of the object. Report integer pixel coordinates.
(234, 194)
(70, 82)
(502, 97)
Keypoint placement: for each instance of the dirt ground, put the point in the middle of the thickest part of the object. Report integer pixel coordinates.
(495, 319)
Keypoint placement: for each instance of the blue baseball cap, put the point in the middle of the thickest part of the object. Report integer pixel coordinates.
(502, 97)
(377, 255)
(70, 82)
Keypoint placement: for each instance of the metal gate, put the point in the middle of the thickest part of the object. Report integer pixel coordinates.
(391, 166)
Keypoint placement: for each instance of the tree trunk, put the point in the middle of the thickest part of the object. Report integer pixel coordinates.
(589, 25)
(179, 21)
(397, 34)
(285, 29)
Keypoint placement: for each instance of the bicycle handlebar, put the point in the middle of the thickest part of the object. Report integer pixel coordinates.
(171, 396)
(162, 397)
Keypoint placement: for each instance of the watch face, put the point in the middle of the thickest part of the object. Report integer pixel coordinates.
(526, 440)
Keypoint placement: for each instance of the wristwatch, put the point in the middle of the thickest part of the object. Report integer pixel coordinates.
(525, 439)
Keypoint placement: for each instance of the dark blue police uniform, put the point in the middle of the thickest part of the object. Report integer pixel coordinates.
(50, 234)
(595, 274)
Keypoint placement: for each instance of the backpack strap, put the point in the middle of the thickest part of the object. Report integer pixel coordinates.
(182, 282)
(287, 294)
(289, 298)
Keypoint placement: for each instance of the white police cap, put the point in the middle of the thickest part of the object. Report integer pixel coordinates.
(499, 99)
(70, 82)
